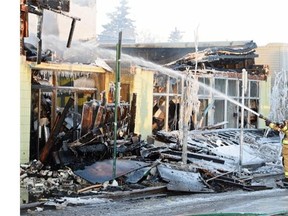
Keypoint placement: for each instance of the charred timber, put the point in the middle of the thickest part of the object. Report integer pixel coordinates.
(133, 113)
(55, 131)
(59, 5)
(192, 156)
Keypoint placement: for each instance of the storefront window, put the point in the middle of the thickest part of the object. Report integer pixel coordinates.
(232, 88)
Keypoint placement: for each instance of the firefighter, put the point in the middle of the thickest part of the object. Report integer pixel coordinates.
(283, 128)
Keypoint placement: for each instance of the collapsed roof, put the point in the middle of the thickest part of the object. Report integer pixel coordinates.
(221, 59)
(246, 51)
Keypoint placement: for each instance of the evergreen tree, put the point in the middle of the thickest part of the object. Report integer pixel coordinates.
(146, 37)
(175, 36)
(119, 21)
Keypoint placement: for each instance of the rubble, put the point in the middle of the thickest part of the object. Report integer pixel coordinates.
(207, 170)
(222, 59)
(75, 159)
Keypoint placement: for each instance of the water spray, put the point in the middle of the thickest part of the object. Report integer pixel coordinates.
(110, 54)
(230, 99)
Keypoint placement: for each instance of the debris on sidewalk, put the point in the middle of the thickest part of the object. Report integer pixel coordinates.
(207, 170)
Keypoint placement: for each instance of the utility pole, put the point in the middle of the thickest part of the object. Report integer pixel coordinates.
(244, 89)
(117, 99)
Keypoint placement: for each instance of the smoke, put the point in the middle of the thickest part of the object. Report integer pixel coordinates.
(87, 52)
(50, 26)
(84, 3)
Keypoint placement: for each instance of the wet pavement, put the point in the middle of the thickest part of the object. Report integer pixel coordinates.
(265, 202)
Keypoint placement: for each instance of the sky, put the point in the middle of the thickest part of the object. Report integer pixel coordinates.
(210, 20)
(222, 20)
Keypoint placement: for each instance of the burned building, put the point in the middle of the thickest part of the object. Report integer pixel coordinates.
(68, 117)
(218, 65)
(48, 81)
(156, 83)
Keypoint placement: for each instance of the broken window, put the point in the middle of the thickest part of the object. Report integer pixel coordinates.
(220, 85)
(206, 81)
(50, 92)
(232, 88)
(166, 102)
(219, 111)
(214, 109)
(254, 89)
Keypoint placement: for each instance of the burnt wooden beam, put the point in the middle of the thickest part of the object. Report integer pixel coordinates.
(89, 188)
(59, 5)
(39, 36)
(31, 205)
(147, 192)
(68, 67)
(197, 156)
(133, 113)
(71, 32)
(55, 131)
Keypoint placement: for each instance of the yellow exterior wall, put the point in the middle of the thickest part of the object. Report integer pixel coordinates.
(141, 83)
(275, 55)
(264, 103)
(25, 110)
(125, 78)
(143, 87)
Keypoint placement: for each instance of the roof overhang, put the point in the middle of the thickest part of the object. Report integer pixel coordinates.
(67, 67)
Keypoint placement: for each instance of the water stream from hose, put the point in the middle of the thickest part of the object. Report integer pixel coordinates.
(84, 52)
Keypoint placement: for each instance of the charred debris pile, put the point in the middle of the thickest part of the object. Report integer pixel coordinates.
(84, 166)
(76, 157)
(222, 60)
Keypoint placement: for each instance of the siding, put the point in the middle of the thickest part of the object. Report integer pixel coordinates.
(275, 55)
(25, 108)
(143, 87)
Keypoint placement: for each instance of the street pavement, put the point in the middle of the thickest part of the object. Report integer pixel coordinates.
(264, 202)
